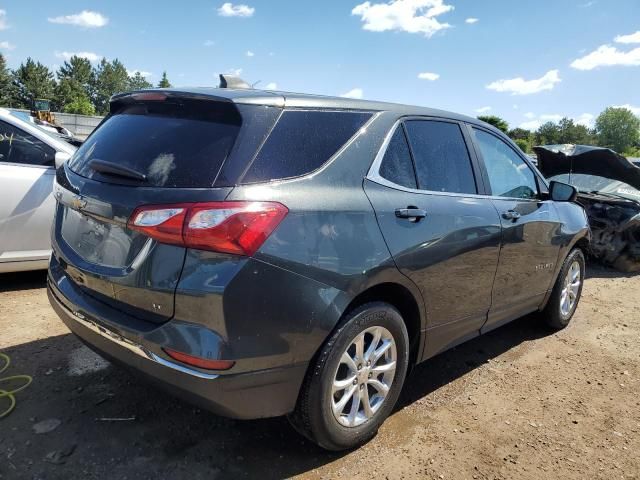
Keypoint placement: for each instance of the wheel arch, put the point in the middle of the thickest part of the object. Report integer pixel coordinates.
(409, 305)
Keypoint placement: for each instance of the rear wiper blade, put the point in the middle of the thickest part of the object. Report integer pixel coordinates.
(111, 168)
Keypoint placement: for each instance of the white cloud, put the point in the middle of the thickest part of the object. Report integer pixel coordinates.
(428, 76)
(353, 93)
(483, 109)
(7, 46)
(471, 20)
(520, 86)
(3, 20)
(231, 10)
(144, 73)
(92, 57)
(586, 119)
(271, 86)
(85, 19)
(412, 16)
(209, 43)
(635, 110)
(234, 71)
(607, 56)
(631, 38)
(535, 121)
(250, 53)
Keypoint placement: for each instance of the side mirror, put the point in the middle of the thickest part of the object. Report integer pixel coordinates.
(562, 192)
(60, 158)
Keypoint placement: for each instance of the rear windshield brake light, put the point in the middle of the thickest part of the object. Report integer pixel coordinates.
(230, 227)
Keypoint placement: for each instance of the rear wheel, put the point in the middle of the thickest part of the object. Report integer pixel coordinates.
(566, 291)
(356, 379)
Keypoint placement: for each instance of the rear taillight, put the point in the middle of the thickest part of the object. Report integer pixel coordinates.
(229, 227)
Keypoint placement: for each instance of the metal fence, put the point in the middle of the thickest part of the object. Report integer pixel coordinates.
(80, 125)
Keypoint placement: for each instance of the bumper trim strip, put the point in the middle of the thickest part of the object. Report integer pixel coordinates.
(137, 348)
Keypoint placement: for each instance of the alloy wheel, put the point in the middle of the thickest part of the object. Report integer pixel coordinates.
(570, 289)
(364, 376)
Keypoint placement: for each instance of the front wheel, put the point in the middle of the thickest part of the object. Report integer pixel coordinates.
(356, 379)
(566, 291)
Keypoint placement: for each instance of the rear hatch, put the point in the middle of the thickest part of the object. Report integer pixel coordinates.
(155, 148)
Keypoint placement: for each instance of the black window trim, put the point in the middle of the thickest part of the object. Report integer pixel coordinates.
(374, 170)
(374, 115)
(539, 180)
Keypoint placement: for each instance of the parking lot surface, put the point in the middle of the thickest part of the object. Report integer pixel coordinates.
(521, 402)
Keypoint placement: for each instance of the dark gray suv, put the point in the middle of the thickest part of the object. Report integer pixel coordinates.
(267, 253)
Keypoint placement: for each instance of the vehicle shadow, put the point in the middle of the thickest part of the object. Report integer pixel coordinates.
(12, 282)
(159, 436)
(442, 369)
(597, 270)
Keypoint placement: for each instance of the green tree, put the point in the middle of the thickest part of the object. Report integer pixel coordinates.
(523, 144)
(138, 82)
(75, 80)
(81, 105)
(570, 132)
(497, 122)
(547, 134)
(6, 90)
(164, 81)
(109, 78)
(618, 129)
(519, 134)
(32, 80)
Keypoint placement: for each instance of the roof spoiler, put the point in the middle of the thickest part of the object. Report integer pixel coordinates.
(232, 81)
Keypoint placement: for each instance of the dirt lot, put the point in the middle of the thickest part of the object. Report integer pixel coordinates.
(520, 402)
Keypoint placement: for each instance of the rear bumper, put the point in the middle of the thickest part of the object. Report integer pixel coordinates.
(247, 395)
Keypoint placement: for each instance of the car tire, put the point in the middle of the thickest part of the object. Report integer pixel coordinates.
(566, 292)
(321, 413)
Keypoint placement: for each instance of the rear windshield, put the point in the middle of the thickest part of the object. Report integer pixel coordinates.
(302, 141)
(179, 143)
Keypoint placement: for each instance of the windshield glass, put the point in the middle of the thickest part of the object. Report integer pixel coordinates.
(593, 183)
(25, 117)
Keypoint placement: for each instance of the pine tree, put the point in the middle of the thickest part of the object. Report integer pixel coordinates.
(32, 80)
(164, 81)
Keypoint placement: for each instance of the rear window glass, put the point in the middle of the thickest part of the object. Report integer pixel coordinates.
(302, 141)
(179, 143)
(441, 157)
(397, 166)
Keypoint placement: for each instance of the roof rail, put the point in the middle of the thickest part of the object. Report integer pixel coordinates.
(232, 81)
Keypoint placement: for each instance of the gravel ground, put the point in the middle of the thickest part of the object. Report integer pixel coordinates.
(518, 403)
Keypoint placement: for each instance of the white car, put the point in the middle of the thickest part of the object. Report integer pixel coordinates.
(29, 156)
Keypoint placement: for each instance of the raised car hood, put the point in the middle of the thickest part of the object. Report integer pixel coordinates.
(558, 159)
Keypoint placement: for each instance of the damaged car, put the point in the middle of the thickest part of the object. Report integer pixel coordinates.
(608, 187)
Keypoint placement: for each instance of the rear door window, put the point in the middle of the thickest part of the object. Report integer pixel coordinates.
(302, 141)
(397, 166)
(509, 175)
(174, 143)
(441, 157)
(18, 146)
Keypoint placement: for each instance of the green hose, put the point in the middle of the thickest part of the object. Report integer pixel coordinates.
(10, 394)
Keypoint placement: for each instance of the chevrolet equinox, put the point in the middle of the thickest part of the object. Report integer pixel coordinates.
(264, 253)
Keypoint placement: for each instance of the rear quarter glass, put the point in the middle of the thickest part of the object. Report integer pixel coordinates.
(303, 141)
(178, 143)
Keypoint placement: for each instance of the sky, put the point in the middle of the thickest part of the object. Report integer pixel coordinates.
(527, 62)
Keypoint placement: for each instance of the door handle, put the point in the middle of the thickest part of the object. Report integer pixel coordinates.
(413, 214)
(511, 215)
